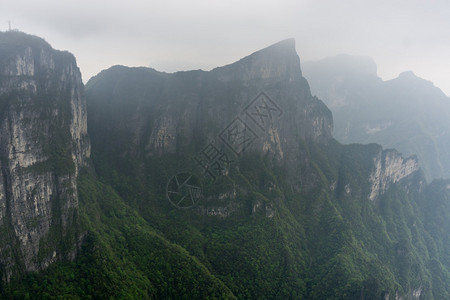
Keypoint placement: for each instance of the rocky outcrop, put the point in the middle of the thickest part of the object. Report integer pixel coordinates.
(43, 143)
(389, 167)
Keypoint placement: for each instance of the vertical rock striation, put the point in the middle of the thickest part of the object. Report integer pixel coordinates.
(43, 143)
(390, 167)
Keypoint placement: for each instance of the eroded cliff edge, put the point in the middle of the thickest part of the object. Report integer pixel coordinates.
(43, 144)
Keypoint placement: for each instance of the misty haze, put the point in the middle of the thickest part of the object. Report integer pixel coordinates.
(224, 150)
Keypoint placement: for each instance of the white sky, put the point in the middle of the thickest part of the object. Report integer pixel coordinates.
(175, 35)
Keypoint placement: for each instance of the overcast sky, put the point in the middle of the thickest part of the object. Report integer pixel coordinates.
(182, 35)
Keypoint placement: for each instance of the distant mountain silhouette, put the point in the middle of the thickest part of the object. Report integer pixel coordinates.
(407, 113)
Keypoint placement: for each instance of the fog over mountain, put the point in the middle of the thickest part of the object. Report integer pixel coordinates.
(206, 150)
(407, 113)
(221, 184)
(182, 35)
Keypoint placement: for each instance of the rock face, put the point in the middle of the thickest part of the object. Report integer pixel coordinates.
(390, 167)
(277, 62)
(43, 143)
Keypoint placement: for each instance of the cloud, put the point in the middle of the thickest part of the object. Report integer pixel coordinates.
(178, 35)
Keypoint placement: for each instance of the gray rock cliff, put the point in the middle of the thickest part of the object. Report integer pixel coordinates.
(390, 167)
(43, 143)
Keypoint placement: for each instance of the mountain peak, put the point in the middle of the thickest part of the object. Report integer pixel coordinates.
(408, 74)
(408, 77)
(285, 45)
(19, 38)
(278, 61)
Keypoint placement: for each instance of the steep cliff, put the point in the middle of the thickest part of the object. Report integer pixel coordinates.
(390, 168)
(43, 143)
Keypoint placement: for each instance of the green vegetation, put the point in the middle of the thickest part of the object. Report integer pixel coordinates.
(318, 245)
(121, 257)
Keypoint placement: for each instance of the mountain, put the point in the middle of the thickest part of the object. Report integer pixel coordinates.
(273, 206)
(408, 113)
(43, 144)
(148, 114)
(228, 184)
